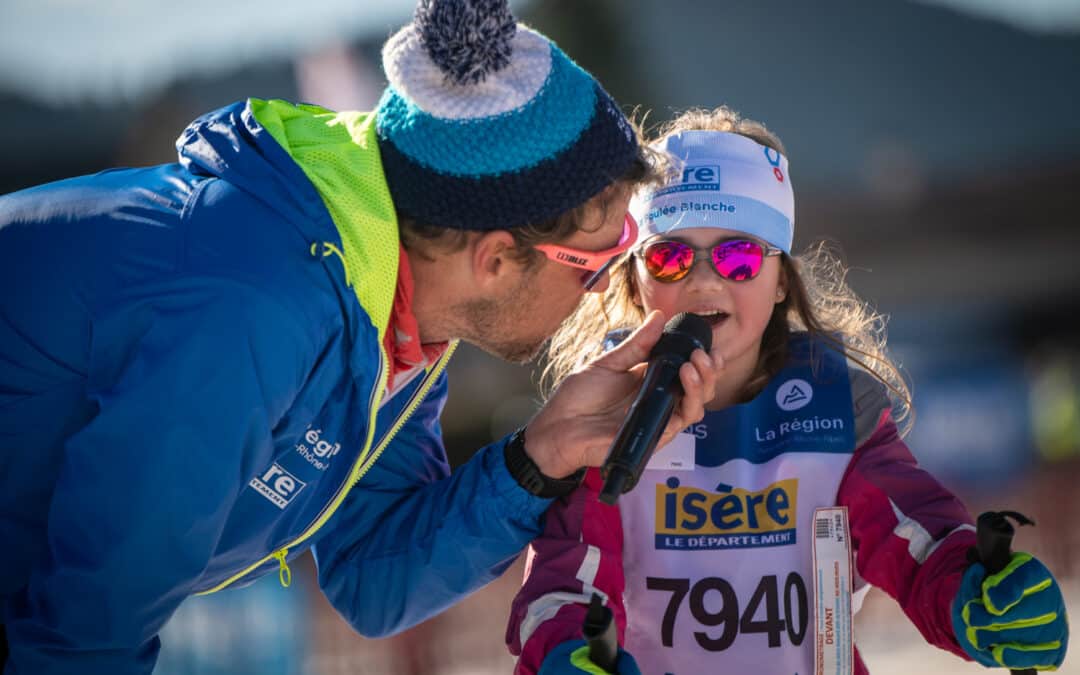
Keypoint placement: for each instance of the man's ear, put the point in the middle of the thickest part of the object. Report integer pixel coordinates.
(493, 257)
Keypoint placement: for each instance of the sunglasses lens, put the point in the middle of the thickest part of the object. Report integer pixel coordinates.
(668, 260)
(738, 260)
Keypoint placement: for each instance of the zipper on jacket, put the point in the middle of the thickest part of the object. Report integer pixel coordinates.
(363, 463)
(284, 573)
(328, 249)
(413, 404)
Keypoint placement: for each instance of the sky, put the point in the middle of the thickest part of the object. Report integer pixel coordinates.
(71, 51)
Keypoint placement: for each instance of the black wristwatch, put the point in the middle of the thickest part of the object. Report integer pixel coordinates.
(528, 475)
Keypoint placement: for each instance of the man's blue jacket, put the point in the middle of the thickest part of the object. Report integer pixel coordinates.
(191, 395)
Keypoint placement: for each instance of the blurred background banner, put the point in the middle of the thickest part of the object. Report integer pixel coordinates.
(936, 142)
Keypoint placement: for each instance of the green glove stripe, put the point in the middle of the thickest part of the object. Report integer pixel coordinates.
(992, 580)
(1041, 620)
(1018, 559)
(999, 651)
(972, 631)
(579, 658)
(1031, 590)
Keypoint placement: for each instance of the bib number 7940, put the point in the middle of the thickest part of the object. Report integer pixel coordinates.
(794, 620)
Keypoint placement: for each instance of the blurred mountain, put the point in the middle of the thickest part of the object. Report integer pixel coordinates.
(857, 89)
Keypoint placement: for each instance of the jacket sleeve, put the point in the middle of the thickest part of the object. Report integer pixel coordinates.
(579, 553)
(410, 539)
(911, 535)
(184, 409)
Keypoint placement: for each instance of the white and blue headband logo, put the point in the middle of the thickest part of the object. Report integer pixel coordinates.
(724, 180)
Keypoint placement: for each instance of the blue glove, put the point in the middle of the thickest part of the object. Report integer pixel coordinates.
(572, 658)
(1015, 618)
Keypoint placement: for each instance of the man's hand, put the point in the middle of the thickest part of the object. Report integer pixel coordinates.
(1015, 618)
(578, 424)
(572, 658)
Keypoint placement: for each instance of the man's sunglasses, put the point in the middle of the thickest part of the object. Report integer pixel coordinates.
(670, 260)
(596, 263)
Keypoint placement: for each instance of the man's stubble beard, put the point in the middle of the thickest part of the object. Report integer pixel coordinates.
(486, 328)
(490, 324)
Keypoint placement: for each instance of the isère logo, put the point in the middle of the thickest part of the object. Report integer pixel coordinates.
(729, 517)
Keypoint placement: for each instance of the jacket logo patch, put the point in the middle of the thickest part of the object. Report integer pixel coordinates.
(277, 485)
(316, 449)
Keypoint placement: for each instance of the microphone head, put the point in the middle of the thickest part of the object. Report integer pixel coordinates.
(684, 333)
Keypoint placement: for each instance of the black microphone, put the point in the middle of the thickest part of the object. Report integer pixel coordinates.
(655, 401)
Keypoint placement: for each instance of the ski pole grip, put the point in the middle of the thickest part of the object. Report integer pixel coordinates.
(993, 541)
(599, 632)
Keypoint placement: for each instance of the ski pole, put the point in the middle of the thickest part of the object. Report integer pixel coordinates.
(599, 632)
(993, 543)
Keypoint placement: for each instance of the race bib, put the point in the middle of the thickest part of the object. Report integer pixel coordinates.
(678, 455)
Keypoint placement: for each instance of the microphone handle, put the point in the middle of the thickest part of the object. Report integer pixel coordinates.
(642, 428)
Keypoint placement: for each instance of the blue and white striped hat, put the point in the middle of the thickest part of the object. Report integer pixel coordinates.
(487, 124)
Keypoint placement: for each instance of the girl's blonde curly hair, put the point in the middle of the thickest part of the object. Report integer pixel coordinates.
(819, 300)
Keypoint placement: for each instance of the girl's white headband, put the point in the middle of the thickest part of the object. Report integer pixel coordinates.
(724, 180)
